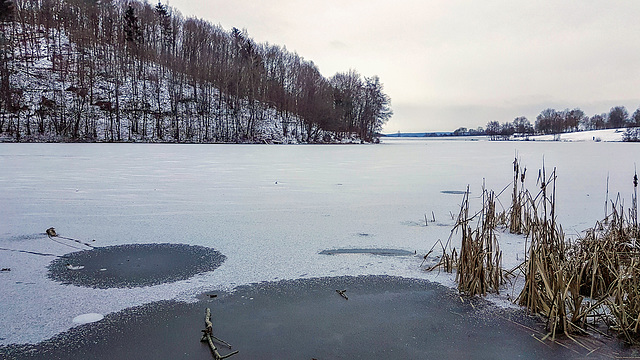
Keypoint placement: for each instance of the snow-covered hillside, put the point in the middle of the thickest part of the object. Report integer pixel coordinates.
(49, 95)
(61, 91)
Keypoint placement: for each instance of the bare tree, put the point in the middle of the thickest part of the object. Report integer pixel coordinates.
(618, 117)
(493, 129)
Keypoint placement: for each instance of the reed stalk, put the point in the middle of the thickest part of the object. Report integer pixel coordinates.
(595, 277)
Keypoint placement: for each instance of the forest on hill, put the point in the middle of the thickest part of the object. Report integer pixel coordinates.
(116, 70)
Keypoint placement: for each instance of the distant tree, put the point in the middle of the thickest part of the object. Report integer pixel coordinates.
(493, 129)
(572, 118)
(585, 123)
(635, 118)
(347, 88)
(522, 126)
(461, 131)
(377, 109)
(544, 121)
(598, 121)
(507, 129)
(618, 117)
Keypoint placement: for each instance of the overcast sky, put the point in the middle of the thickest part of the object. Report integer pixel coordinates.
(447, 63)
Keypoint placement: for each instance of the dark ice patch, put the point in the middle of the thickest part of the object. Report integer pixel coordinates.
(383, 252)
(25, 237)
(305, 319)
(133, 265)
(453, 192)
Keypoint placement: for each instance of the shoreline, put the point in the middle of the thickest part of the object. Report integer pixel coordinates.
(394, 317)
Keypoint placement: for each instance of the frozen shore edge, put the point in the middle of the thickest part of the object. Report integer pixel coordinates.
(305, 318)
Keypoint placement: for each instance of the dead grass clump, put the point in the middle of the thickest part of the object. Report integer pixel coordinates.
(602, 267)
(612, 258)
(624, 301)
(479, 263)
(594, 278)
(549, 275)
(479, 269)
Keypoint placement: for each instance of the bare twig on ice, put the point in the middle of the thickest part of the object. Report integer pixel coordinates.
(208, 337)
(51, 233)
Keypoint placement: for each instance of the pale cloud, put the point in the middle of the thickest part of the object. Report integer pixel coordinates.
(454, 63)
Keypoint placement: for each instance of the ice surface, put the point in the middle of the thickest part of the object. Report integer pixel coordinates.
(87, 318)
(270, 210)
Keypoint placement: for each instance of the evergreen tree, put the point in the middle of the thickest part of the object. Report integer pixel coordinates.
(132, 31)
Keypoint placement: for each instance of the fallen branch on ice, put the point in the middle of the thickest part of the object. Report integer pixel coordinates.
(51, 233)
(208, 337)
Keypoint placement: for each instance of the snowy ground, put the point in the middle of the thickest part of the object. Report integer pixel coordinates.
(270, 209)
(593, 135)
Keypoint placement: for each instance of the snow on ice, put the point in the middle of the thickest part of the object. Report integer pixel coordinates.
(271, 210)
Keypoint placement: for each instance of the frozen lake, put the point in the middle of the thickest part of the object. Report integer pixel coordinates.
(270, 210)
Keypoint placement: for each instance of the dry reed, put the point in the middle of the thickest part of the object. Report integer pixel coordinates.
(614, 261)
(602, 266)
(479, 269)
(597, 277)
(479, 264)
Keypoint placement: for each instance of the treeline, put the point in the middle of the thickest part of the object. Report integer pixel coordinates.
(551, 121)
(117, 70)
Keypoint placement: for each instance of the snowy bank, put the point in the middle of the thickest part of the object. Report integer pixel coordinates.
(606, 135)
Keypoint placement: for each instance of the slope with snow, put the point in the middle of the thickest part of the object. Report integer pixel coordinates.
(51, 102)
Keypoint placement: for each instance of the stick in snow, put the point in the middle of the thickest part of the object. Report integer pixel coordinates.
(341, 293)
